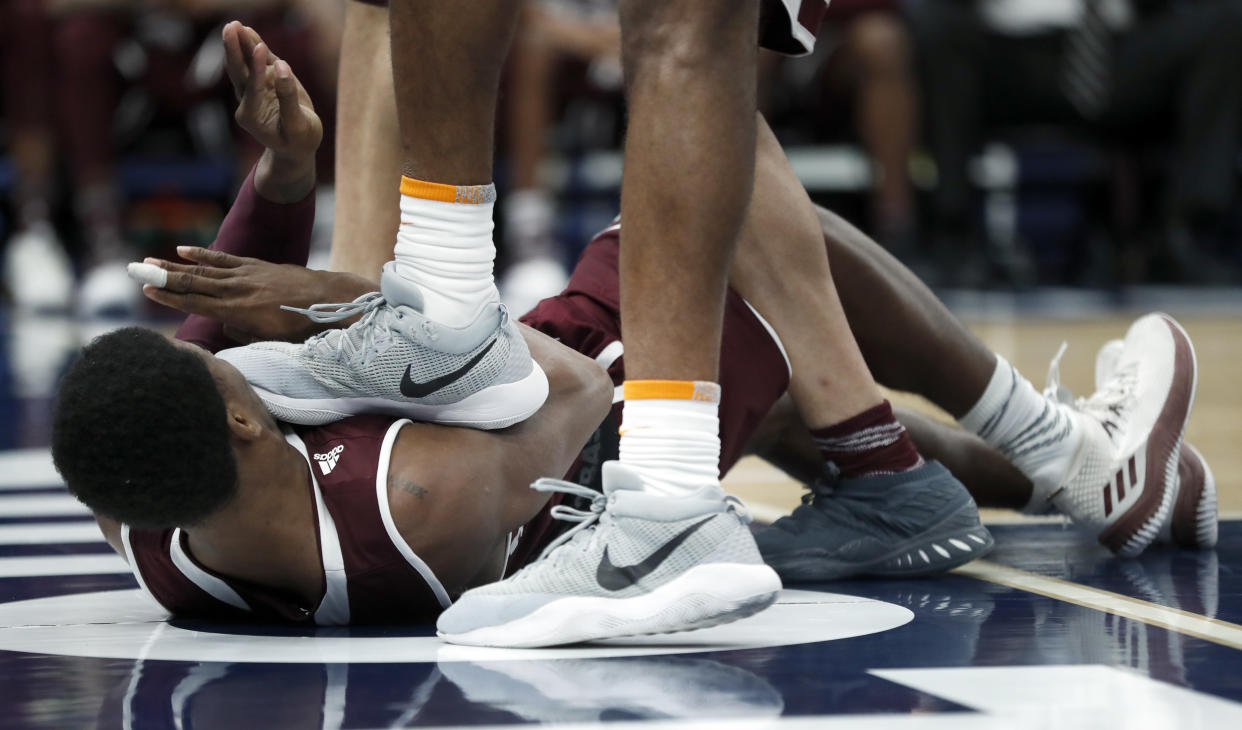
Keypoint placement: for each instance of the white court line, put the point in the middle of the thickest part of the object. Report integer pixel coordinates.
(56, 505)
(43, 565)
(1172, 619)
(50, 533)
(26, 468)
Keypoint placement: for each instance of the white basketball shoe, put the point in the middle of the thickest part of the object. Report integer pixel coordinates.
(637, 563)
(1123, 480)
(394, 360)
(1192, 523)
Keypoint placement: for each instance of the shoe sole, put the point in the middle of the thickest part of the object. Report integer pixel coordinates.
(1194, 519)
(495, 407)
(1139, 525)
(921, 556)
(702, 597)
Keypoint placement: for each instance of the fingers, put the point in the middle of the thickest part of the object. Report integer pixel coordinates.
(248, 39)
(147, 273)
(258, 72)
(188, 303)
(287, 96)
(211, 257)
(235, 61)
(189, 278)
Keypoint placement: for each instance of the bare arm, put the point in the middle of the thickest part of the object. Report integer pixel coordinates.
(456, 493)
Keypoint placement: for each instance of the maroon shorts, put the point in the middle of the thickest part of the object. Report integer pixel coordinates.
(587, 317)
(790, 26)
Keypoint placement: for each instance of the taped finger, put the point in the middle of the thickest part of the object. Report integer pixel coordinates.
(148, 274)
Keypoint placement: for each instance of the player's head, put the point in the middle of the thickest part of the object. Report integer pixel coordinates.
(144, 427)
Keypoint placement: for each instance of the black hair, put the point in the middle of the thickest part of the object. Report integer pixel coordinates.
(140, 432)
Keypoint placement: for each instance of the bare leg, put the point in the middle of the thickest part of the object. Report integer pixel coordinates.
(446, 60)
(911, 342)
(529, 105)
(367, 145)
(886, 113)
(690, 75)
(830, 379)
(783, 441)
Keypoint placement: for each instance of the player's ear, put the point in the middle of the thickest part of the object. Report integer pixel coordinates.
(244, 425)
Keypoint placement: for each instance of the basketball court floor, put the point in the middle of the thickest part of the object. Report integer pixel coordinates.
(1049, 631)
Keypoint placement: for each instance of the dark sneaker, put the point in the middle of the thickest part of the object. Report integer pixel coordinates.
(913, 523)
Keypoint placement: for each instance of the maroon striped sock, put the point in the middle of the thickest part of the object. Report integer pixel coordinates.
(872, 442)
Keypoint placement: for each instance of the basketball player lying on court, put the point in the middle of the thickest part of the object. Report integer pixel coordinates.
(222, 511)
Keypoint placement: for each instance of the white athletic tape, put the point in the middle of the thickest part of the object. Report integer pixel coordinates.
(148, 274)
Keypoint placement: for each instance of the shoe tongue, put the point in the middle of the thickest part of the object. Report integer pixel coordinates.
(619, 477)
(398, 290)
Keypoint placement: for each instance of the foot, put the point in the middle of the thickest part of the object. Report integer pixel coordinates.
(911, 523)
(636, 564)
(1192, 523)
(396, 361)
(1123, 478)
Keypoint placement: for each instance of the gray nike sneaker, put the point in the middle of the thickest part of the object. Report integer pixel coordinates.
(912, 523)
(637, 563)
(396, 361)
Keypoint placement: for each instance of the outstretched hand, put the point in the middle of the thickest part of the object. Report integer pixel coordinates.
(245, 294)
(272, 104)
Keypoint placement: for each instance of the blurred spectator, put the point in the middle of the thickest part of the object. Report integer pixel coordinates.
(865, 53)
(37, 271)
(112, 67)
(1117, 69)
(583, 35)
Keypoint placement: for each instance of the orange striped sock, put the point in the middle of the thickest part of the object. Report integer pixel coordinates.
(444, 246)
(670, 434)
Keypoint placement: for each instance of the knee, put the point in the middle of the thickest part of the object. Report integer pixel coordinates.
(881, 42)
(684, 33)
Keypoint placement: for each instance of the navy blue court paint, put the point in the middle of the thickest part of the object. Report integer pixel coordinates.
(912, 675)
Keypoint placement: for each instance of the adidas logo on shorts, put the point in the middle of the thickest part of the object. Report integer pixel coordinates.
(327, 462)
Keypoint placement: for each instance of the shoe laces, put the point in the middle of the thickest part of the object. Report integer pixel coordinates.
(822, 488)
(596, 513)
(375, 326)
(1109, 404)
(586, 519)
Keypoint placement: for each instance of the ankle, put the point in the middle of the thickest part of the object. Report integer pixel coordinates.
(871, 442)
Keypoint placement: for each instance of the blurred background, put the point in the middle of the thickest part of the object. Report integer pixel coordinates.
(1048, 166)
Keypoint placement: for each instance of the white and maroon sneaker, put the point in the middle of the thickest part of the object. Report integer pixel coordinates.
(1192, 523)
(1123, 482)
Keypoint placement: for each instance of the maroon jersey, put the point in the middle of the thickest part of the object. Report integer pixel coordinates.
(371, 574)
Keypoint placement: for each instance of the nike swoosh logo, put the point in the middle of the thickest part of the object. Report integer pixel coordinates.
(618, 577)
(412, 389)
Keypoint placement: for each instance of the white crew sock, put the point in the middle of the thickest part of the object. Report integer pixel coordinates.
(1038, 435)
(670, 434)
(444, 246)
